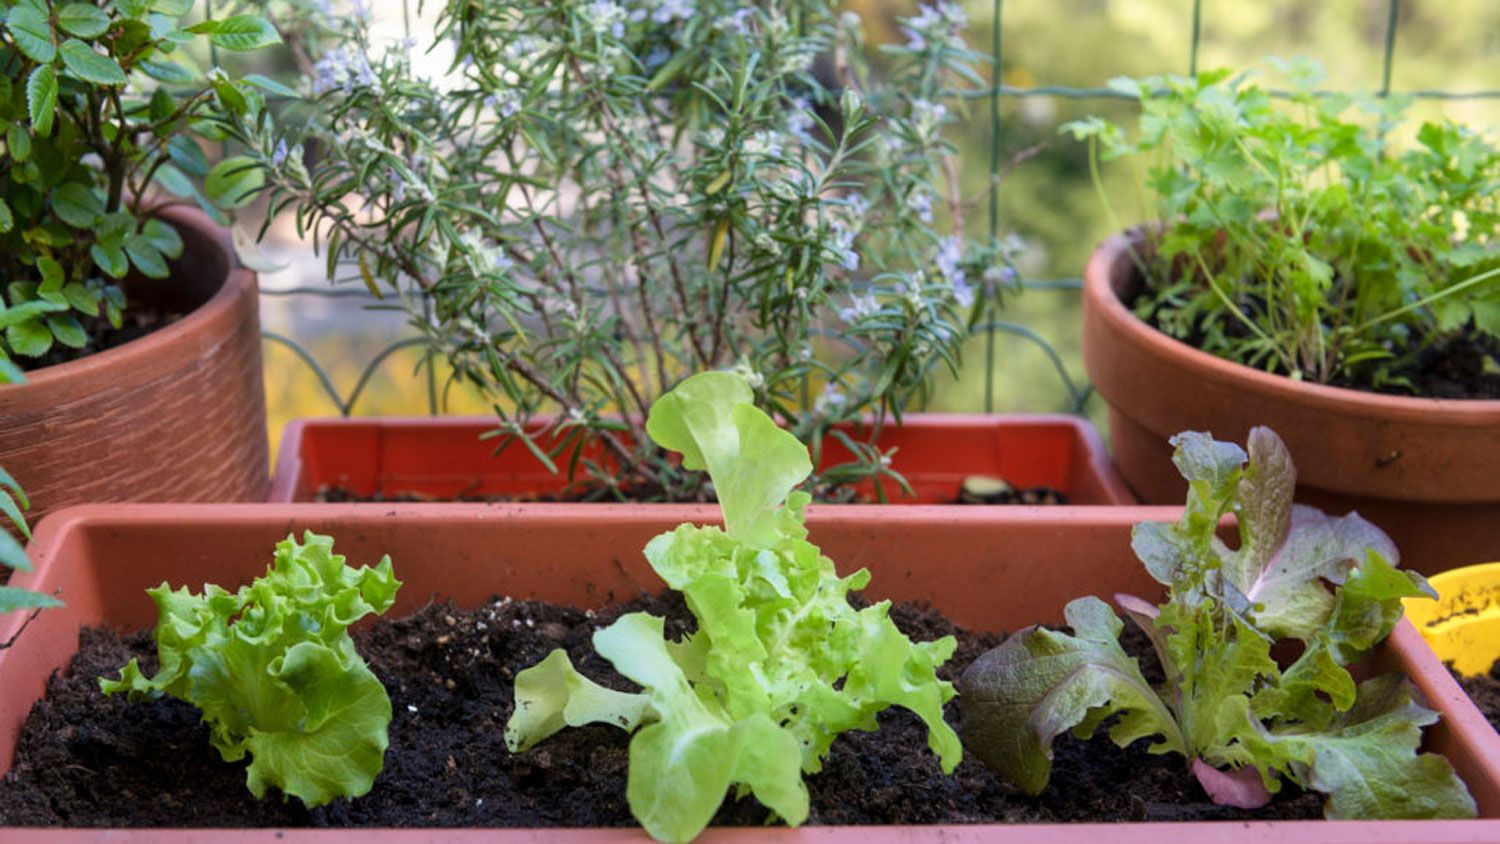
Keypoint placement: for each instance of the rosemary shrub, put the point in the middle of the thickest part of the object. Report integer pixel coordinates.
(598, 199)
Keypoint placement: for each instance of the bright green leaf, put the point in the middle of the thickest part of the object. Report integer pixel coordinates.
(29, 339)
(41, 98)
(83, 20)
(84, 62)
(240, 32)
(32, 32)
(234, 182)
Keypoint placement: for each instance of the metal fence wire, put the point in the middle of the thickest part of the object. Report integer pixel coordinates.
(992, 325)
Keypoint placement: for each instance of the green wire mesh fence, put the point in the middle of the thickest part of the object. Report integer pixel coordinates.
(992, 325)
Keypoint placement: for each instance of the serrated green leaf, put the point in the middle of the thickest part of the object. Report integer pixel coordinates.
(239, 32)
(110, 259)
(19, 142)
(169, 72)
(164, 237)
(146, 257)
(32, 33)
(29, 338)
(83, 20)
(132, 8)
(82, 299)
(67, 331)
(41, 98)
(52, 275)
(28, 311)
(84, 62)
(77, 205)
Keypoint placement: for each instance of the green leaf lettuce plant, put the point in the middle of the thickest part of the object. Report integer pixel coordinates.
(275, 673)
(101, 112)
(780, 664)
(1307, 236)
(1246, 722)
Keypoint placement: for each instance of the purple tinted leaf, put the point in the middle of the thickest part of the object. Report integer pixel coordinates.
(1240, 787)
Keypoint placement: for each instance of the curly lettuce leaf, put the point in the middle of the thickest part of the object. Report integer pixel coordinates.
(780, 664)
(274, 672)
(712, 420)
(1366, 760)
(1040, 683)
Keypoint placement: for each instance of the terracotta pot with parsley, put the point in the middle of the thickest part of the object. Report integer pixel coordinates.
(129, 336)
(1316, 265)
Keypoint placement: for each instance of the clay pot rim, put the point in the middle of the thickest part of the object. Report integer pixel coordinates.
(237, 282)
(1102, 296)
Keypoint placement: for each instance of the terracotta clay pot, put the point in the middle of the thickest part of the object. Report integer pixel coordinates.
(1427, 471)
(444, 458)
(177, 415)
(985, 568)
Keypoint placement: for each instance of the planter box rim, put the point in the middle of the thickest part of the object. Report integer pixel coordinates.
(1404, 644)
(1088, 459)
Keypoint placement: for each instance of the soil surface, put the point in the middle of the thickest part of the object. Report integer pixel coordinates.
(1484, 690)
(135, 323)
(340, 495)
(1460, 365)
(88, 760)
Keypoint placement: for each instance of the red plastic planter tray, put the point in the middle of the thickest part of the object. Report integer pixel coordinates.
(987, 568)
(444, 458)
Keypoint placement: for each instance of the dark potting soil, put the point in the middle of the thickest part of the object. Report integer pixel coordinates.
(339, 495)
(135, 323)
(1461, 365)
(1484, 690)
(88, 760)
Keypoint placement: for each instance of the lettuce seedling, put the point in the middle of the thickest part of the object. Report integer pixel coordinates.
(275, 673)
(1325, 585)
(781, 663)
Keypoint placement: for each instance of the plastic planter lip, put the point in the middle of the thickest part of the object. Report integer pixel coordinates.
(1426, 470)
(444, 457)
(1029, 561)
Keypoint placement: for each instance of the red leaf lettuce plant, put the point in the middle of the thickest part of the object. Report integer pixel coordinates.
(1246, 723)
(275, 673)
(780, 665)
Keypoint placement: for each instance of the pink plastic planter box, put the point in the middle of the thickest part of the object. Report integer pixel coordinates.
(444, 458)
(986, 568)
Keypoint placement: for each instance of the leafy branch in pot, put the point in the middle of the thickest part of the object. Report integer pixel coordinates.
(1303, 239)
(599, 199)
(101, 108)
(781, 663)
(1246, 723)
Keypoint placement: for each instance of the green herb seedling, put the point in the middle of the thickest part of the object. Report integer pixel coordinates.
(780, 665)
(275, 673)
